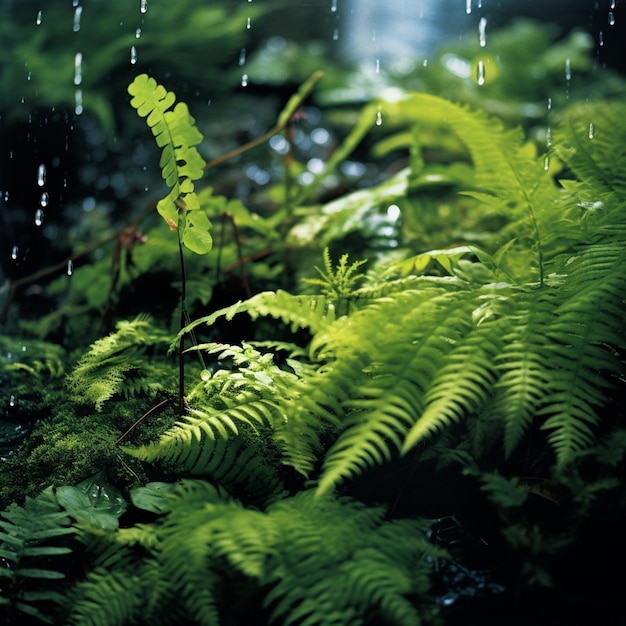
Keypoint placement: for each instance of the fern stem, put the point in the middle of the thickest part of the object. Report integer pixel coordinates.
(183, 317)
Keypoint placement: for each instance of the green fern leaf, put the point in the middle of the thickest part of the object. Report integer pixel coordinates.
(175, 132)
(26, 536)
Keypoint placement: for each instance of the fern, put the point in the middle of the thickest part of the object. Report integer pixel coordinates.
(111, 363)
(175, 132)
(317, 561)
(29, 546)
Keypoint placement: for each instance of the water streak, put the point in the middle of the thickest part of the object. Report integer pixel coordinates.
(41, 175)
(77, 13)
(143, 7)
(78, 68)
(38, 217)
(38, 22)
(482, 25)
(480, 73)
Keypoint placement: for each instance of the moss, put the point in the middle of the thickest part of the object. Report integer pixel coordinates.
(68, 447)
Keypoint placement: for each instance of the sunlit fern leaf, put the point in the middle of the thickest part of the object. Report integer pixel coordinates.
(588, 322)
(31, 538)
(463, 386)
(299, 311)
(175, 132)
(592, 159)
(402, 344)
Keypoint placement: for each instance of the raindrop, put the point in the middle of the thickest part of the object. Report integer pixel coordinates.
(143, 7)
(480, 73)
(600, 38)
(248, 24)
(205, 375)
(244, 80)
(611, 18)
(133, 55)
(70, 267)
(39, 18)
(242, 56)
(468, 6)
(41, 175)
(333, 6)
(78, 98)
(30, 75)
(379, 118)
(12, 400)
(78, 68)
(45, 199)
(549, 104)
(482, 25)
(549, 137)
(546, 163)
(591, 130)
(568, 69)
(38, 217)
(377, 66)
(77, 14)
(138, 33)
(14, 252)
(613, 4)
(393, 212)
(336, 34)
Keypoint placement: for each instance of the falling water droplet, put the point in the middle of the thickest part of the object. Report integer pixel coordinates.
(133, 55)
(70, 267)
(143, 7)
(546, 163)
(600, 38)
(78, 68)
(480, 73)
(591, 130)
(38, 22)
(468, 6)
(77, 13)
(12, 400)
(482, 26)
(568, 69)
(549, 104)
(377, 66)
(242, 57)
(549, 137)
(138, 33)
(248, 24)
(38, 217)
(336, 34)
(379, 118)
(611, 18)
(333, 6)
(14, 252)
(41, 175)
(78, 102)
(45, 199)
(244, 80)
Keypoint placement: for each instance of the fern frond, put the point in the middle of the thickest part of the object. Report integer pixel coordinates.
(29, 542)
(403, 342)
(175, 132)
(104, 370)
(593, 160)
(333, 563)
(106, 598)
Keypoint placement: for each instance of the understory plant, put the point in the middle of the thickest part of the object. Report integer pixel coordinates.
(290, 487)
